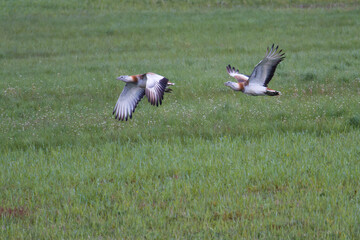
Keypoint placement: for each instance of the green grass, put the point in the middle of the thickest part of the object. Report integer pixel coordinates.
(209, 162)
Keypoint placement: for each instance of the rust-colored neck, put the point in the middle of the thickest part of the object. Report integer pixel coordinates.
(241, 86)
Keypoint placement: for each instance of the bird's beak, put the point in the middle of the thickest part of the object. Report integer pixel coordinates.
(118, 78)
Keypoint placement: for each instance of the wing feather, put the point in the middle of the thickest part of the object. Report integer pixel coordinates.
(155, 88)
(235, 74)
(127, 102)
(265, 69)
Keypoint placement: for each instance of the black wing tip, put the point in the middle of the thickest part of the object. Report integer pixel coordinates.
(164, 80)
(274, 52)
(123, 118)
(120, 118)
(231, 69)
(228, 68)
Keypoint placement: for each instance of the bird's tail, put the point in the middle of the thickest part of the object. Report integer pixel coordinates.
(167, 89)
(271, 92)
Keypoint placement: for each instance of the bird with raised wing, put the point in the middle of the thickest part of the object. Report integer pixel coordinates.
(257, 83)
(150, 84)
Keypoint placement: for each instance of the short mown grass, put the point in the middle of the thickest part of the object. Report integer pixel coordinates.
(209, 162)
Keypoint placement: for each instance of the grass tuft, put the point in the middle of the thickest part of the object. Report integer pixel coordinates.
(355, 121)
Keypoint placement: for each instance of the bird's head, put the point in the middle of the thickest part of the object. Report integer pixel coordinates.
(125, 78)
(233, 85)
(228, 83)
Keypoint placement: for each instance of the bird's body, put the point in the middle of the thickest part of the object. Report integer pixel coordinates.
(150, 84)
(255, 90)
(256, 84)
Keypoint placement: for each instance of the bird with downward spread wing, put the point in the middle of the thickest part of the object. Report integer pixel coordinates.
(256, 84)
(150, 84)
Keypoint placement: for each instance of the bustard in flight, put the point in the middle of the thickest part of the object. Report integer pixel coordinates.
(256, 84)
(150, 84)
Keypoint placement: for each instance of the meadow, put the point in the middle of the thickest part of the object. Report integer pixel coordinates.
(209, 163)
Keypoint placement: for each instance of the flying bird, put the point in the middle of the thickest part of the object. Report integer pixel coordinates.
(256, 84)
(150, 84)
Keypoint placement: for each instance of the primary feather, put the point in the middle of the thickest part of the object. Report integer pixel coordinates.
(265, 69)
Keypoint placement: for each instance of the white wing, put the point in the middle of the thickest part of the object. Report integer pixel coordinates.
(265, 69)
(155, 87)
(235, 74)
(128, 100)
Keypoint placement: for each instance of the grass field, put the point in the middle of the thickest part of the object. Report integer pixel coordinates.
(209, 163)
